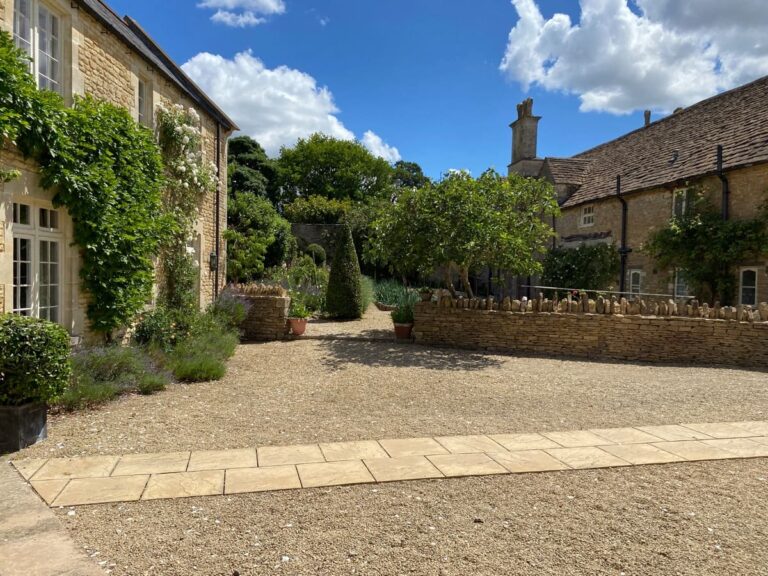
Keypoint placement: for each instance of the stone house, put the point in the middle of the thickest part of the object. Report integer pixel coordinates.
(81, 47)
(622, 190)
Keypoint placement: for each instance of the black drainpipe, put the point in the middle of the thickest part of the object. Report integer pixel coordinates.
(724, 181)
(623, 251)
(218, 212)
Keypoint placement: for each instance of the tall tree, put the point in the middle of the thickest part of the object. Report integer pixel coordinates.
(408, 175)
(250, 169)
(333, 168)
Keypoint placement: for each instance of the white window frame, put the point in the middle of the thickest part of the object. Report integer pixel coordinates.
(31, 38)
(741, 284)
(144, 105)
(687, 195)
(632, 272)
(28, 310)
(677, 282)
(587, 216)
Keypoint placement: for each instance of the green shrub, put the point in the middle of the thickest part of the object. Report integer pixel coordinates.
(317, 253)
(586, 267)
(163, 328)
(389, 292)
(344, 295)
(198, 368)
(403, 314)
(150, 383)
(85, 393)
(34, 364)
(298, 308)
(201, 356)
(367, 291)
(228, 311)
(316, 210)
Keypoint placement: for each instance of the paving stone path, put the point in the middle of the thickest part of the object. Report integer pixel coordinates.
(102, 479)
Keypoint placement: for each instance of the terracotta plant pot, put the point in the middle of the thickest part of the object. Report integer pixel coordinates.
(403, 331)
(298, 325)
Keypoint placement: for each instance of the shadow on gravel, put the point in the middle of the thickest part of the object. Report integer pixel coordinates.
(391, 354)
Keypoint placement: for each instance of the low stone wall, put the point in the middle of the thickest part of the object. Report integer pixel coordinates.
(267, 317)
(596, 336)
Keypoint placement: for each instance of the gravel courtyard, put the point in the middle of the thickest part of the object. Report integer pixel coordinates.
(697, 518)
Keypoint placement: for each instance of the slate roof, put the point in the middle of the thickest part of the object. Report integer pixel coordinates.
(679, 147)
(131, 33)
(566, 170)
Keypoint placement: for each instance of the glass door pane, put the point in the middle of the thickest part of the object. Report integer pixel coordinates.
(22, 276)
(49, 280)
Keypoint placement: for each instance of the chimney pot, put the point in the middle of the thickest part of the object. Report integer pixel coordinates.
(524, 132)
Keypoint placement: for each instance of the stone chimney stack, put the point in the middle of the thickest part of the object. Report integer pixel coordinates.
(524, 132)
(647, 117)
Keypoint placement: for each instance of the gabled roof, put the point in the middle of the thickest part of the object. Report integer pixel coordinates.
(131, 33)
(681, 146)
(566, 170)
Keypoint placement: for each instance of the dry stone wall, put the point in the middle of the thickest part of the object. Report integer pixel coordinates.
(617, 331)
(267, 317)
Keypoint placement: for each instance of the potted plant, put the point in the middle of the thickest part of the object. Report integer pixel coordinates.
(34, 370)
(402, 316)
(297, 316)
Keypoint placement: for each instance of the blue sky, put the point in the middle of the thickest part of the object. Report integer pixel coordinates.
(424, 75)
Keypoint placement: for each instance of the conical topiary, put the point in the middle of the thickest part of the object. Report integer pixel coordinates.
(343, 299)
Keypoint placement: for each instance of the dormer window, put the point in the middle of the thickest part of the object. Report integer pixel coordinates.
(587, 216)
(36, 31)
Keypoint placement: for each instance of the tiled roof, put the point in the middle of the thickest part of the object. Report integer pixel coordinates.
(566, 170)
(681, 146)
(129, 32)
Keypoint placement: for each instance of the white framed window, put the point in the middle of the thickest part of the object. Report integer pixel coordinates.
(22, 214)
(22, 275)
(144, 102)
(635, 282)
(48, 219)
(37, 31)
(748, 286)
(587, 216)
(682, 202)
(682, 290)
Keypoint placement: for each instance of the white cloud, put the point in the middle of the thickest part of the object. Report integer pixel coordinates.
(378, 147)
(243, 13)
(671, 54)
(275, 106)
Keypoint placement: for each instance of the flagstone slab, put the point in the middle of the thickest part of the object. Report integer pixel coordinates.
(757, 428)
(674, 433)
(528, 461)
(222, 459)
(334, 474)
(338, 451)
(282, 455)
(83, 467)
(625, 436)
(642, 454)
(28, 468)
(49, 489)
(469, 444)
(133, 464)
(587, 457)
(695, 450)
(760, 439)
(402, 468)
(243, 480)
(719, 430)
(82, 491)
(400, 447)
(467, 465)
(576, 438)
(514, 442)
(741, 447)
(184, 484)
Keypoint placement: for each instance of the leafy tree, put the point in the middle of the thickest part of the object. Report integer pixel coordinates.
(344, 299)
(408, 175)
(257, 237)
(466, 223)
(316, 210)
(332, 168)
(708, 249)
(585, 267)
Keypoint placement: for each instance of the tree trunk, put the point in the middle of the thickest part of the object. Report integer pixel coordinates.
(449, 281)
(464, 271)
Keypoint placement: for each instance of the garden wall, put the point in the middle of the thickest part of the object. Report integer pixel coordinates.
(267, 317)
(673, 339)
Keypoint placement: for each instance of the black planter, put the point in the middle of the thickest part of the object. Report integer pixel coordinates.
(22, 426)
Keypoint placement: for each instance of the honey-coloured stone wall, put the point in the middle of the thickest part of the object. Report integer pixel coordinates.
(596, 336)
(267, 317)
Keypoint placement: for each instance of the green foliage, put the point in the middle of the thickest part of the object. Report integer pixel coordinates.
(34, 363)
(403, 314)
(257, 237)
(493, 221)
(228, 311)
(304, 279)
(317, 253)
(103, 373)
(298, 308)
(316, 210)
(586, 267)
(202, 356)
(332, 168)
(343, 298)
(408, 175)
(367, 293)
(163, 327)
(708, 249)
(250, 170)
(389, 292)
